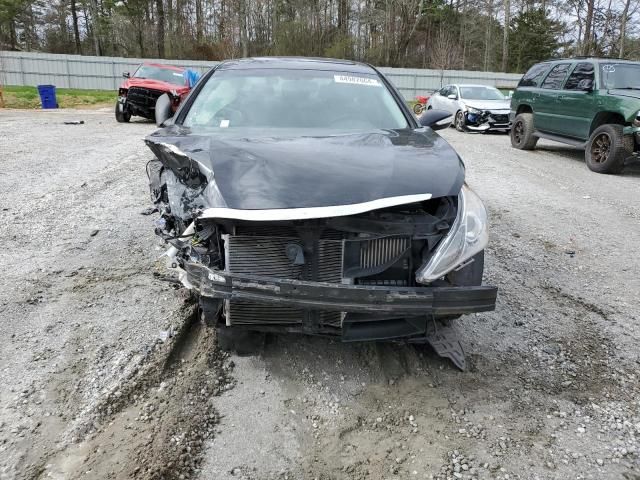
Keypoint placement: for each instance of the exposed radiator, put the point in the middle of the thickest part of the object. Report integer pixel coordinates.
(260, 251)
(248, 313)
(378, 251)
(267, 256)
(282, 231)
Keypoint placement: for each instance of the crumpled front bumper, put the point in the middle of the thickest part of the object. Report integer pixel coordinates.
(487, 121)
(410, 301)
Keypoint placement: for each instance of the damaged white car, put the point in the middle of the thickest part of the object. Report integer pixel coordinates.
(346, 217)
(476, 108)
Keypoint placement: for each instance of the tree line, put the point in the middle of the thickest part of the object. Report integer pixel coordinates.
(489, 35)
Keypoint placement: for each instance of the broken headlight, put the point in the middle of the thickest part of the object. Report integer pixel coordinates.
(467, 237)
(475, 111)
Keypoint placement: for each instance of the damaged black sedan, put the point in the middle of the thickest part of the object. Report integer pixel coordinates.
(301, 195)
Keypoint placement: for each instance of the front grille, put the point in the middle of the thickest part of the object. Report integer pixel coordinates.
(143, 97)
(498, 118)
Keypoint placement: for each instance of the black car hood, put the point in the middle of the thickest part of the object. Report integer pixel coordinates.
(260, 170)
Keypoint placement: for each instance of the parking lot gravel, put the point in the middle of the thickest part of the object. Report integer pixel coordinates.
(105, 371)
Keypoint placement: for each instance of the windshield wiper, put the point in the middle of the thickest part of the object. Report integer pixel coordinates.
(627, 88)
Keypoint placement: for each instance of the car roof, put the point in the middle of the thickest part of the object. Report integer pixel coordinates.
(296, 63)
(588, 59)
(161, 65)
(472, 85)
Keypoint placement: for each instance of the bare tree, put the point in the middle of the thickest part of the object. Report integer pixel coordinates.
(487, 38)
(588, 24)
(505, 35)
(161, 21)
(623, 27)
(383, 32)
(444, 52)
(76, 29)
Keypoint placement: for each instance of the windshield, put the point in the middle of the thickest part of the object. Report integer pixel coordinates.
(163, 74)
(481, 93)
(291, 99)
(620, 75)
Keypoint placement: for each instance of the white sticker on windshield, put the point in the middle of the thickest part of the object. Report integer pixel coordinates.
(372, 82)
(224, 123)
(609, 68)
(176, 74)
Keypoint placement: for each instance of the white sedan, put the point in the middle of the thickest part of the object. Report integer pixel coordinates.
(477, 108)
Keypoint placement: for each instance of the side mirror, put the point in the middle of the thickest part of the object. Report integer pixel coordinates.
(453, 96)
(163, 109)
(126, 74)
(434, 119)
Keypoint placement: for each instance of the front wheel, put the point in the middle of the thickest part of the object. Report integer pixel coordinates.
(460, 123)
(418, 108)
(607, 149)
(522, 136)
(122, 116)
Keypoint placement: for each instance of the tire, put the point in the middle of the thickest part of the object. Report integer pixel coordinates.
(239, 341)
(418, 108)
(607, 149)
(459, 121)
(122, 117)
(522, 136)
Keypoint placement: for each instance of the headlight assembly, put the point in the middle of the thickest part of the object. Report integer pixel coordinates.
(475, 111)
(467, 237)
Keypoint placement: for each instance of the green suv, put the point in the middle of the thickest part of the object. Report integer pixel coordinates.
(590, 103)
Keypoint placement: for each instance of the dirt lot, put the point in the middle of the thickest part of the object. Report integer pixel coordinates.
(106, 372)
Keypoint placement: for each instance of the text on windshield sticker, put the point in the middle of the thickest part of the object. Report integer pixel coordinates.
(372, 82)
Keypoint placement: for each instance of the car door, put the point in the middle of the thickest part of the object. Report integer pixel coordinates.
(549, 111)
(454, 105)
(441, 98)
(526, 93)
(577, 101)
(448, 104)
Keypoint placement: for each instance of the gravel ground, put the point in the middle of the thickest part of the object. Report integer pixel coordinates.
(106, 373)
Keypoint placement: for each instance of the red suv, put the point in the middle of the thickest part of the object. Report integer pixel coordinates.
(139, 92)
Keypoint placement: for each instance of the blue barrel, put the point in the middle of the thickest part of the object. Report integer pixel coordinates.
(48, 96)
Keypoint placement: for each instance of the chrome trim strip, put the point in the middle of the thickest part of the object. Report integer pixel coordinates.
(311, 212)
